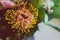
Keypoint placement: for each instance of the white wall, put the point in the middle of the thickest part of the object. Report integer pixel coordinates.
(46, 32)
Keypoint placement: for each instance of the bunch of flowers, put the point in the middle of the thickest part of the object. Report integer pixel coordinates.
(22, 17)
(19, 18)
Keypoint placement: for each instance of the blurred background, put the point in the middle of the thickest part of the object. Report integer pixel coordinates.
(48, 33)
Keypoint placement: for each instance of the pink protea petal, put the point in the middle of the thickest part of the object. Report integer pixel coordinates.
(7, 4)
(27, 21)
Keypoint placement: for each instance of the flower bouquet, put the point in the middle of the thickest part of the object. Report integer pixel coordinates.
(20, 18)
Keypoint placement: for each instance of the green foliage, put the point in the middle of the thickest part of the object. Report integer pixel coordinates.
(56, 10)
(55, 1)
(56, 13)
(37, 3)
(41, 14)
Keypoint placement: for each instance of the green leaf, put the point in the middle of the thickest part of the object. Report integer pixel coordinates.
(56, 1)
(56, 10)
(55, 27)
(37, 3)
(56, 13)
(41, 15)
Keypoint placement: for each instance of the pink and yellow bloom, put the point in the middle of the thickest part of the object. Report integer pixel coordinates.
(22, 17)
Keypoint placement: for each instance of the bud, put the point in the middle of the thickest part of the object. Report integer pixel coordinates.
(7, 4)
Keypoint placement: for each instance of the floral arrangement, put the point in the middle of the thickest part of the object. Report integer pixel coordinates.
(20, 18)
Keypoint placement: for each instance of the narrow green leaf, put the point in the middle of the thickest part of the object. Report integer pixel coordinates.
(55, 27)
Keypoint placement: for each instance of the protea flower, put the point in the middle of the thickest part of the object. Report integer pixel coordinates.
(22, 17)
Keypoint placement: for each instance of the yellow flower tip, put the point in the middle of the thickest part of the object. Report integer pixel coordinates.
(33, 21)
(13, 26)
(25, 2)
(22, 2)
(25, 31)
(35, 9)
(22, 30)
(32, 26)
(16, 27)
(6, 18)
(12, 22)
(28, 30)
(29, 26)
(8, 11)
(13, 30)
(8, 22)
(31, 4)
(12, 10)
(10, 15)
(36, 14)
(26, 27)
